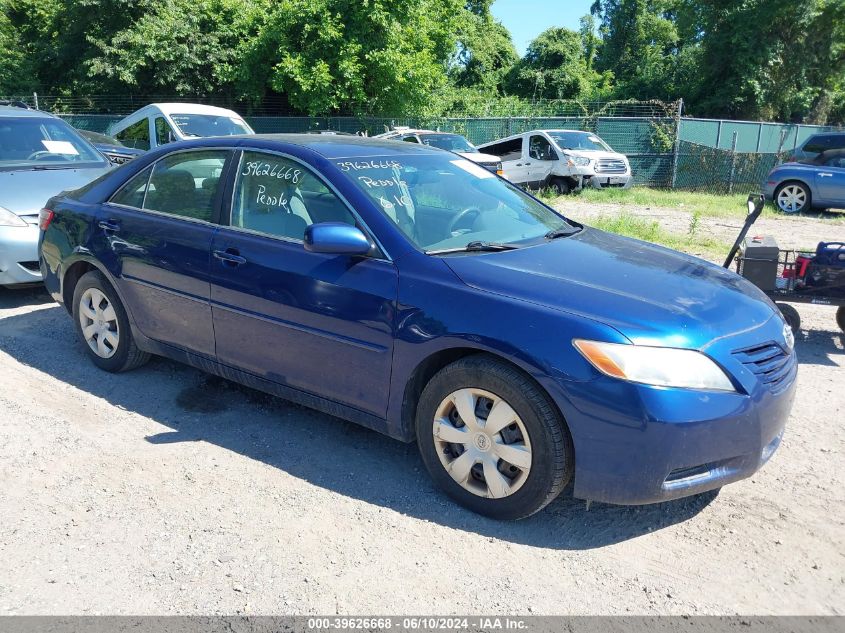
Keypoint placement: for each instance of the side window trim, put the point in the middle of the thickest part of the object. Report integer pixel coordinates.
(218, 210)
(231, 183)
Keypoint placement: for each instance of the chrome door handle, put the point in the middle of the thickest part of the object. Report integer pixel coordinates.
(230, 258)
(825, 175)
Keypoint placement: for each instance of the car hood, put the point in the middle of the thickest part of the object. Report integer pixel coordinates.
(652, 295)
(25, 192)
(479, 157)
(595, 155)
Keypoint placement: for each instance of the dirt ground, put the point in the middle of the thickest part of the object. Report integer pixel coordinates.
(165, 491)
(801, 232)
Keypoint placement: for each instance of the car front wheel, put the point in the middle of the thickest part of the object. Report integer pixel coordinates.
(492, 439)
(102, 325)
(793, 197)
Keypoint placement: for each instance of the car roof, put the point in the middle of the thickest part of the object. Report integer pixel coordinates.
(326, 145)
(13, 111)
(191, 108)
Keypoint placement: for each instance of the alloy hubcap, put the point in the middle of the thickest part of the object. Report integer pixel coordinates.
(482, 443)
(99, 323)
(792, 198)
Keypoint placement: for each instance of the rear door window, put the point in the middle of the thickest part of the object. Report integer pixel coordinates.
(133, 192)
(186, 184)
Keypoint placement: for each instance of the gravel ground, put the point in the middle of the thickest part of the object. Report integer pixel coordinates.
(799, 232)
(165, 491)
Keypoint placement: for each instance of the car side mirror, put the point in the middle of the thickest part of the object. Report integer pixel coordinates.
(336, 238)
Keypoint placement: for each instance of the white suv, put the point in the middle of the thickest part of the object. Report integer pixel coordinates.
(561, 159)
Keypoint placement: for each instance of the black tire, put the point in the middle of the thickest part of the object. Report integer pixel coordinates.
(840, 318)
(793, 318)
(560, 186)
(126, 355)
(808, 198)
(552, 458)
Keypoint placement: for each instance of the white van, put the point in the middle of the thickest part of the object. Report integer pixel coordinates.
(560, 159)
(162, 123)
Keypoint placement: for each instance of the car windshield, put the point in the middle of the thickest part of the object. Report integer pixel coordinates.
(446, 203)
(36, 143)
(583, 141)
(451, 142)
(102, 139)
(203, 125)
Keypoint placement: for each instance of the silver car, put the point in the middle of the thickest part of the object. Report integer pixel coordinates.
(40, 156)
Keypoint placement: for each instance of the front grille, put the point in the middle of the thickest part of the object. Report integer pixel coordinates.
(611, 166)
(118, 159)
(769, 362)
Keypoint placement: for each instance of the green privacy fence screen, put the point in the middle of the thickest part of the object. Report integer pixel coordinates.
(664, 148)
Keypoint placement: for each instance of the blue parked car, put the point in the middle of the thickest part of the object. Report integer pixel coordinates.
(818, 182)
(416, 293)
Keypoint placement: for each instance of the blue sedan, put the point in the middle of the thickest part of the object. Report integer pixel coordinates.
(409, 290)
(816, 183)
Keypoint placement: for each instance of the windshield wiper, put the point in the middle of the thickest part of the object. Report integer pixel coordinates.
(476, 246)
(562, 232)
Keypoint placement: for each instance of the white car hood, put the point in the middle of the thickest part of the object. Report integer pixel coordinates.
(595, 155)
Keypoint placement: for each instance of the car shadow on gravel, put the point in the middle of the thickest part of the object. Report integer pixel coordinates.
(819, 347)
(11, 298)
(324, 451)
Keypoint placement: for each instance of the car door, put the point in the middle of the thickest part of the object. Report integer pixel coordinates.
(155, 235)
(541, 160)
(319, 323)
(512, 155)
(830, 181)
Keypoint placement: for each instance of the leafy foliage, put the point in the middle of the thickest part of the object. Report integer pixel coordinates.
(766, 59)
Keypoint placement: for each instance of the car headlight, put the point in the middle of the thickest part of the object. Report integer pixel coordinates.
(580, 161)
(7, 218)
(660, 366)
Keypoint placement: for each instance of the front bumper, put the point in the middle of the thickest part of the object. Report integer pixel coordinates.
(605, 181)
(19, 255)
(638, 444)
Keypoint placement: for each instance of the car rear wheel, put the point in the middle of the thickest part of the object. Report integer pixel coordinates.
(492, 439)
(793, 197)
(840, 318)
(102, 325)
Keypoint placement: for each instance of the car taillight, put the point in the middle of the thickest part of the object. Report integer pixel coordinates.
(45, 216)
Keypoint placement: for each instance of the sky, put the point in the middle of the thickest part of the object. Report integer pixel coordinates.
(526, 19)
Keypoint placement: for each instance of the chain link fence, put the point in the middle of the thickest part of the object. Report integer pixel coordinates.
(665, 149)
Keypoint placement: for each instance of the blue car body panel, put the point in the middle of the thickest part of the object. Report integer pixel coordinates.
(353, 336)
(826, 183)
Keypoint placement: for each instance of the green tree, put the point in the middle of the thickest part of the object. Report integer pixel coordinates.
(185, 47)
(640, 46)
(59, 37)
(14, 67)
(555, 67)
(485, 52)
(380, 56)
(770, 59)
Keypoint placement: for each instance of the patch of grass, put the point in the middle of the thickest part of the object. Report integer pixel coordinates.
(651, 231)
(704, 204)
